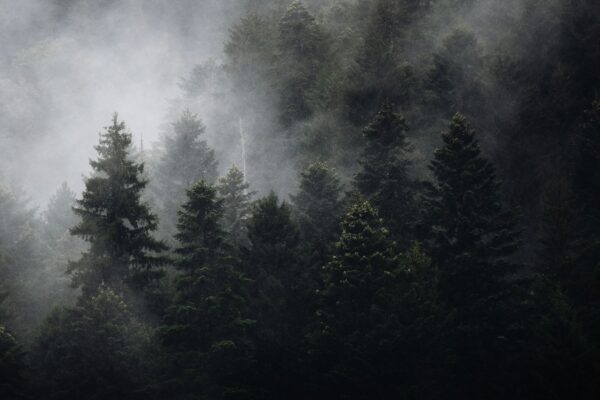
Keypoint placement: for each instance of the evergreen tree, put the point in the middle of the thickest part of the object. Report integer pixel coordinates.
(473, 233)
(114, 221)
(272, 265)
(472, 238)
(203, 328)
(375, 307)
(302, 48)
(94, 350)
(59, 216)
(233, 189)
(384, 177)
(318, 207)
(454, 82)
(186, 160)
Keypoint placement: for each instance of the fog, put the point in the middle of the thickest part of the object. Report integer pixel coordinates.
(67, 66)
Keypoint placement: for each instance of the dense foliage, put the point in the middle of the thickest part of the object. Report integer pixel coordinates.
(441, 238)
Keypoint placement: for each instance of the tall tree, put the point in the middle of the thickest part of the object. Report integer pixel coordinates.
(473, 235)
(203, 328)
(302, 48)
(233, 189)
(94, 350)
(318, 207)
(114, 221)
(186, 160)
(384, 177)
(473, 232)
(272, 265)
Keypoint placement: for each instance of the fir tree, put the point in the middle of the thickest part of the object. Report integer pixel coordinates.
(374, 307)
(317, 208)
(473, 233)
(301, 50)
(233, 189)
(94, 350)
(186, 160)
(272, 266)
(472, 239)
(383, 178)
(203, 327)
(114, 221)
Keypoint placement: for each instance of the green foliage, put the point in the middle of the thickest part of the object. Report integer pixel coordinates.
(472, 232)
(233, 189)
(202, 329)
(94, 350)
(114, 221)
(301, 50)
(384, 177)
(318, 206)
(186, 160)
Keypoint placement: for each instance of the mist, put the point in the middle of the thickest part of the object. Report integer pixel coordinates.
(294, 199)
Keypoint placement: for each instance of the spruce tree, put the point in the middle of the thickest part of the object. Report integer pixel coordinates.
(186, 160)
(318, 206)
(96, 349)
(203, 328)
(272, 266)
(375, 307)
(473, 234)
(384, 177)
(233, 189)
(302, 49)
(114, 221)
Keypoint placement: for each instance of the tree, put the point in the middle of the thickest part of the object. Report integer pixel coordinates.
(473, 233)
(233, 189)
(203, 328)
(376, 305)
(114, 221)
(472, 238)
(94, 350)
(317, 208)
(271, 265)
(186, 160)
(302, 48)
(454, 81)
(384, 177)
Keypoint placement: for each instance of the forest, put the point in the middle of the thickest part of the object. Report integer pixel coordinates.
(300, 199)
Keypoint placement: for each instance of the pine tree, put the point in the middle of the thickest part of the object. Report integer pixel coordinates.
(186, 160)
(114, 221)
(473, 233)
(94, 350)
(233, 189)
(302, 48)
(272, 266)
(317, 208)
(374, 308)
(384, 177)
(203, 328)
(471, 241)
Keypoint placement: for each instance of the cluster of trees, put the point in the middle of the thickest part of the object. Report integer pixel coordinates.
(475, 277)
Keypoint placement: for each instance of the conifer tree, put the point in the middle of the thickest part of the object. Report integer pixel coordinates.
(473, 233)
(374, 305)
(114, 221)
(302, 48)
(203, 327)
(233, 189)
(186, 160)
(272, 266)
(96, 349)
(318, 203)
(383, 178)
